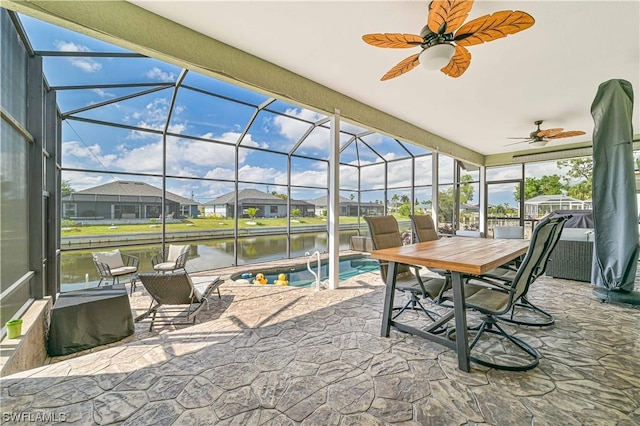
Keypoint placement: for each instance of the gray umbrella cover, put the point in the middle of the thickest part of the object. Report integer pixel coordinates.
(615, 212)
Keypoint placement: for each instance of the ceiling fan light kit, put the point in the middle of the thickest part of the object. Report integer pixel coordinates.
(445, 38)
(436, 57)
(538, 144)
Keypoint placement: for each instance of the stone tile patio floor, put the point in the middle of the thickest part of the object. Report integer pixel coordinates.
(287, 356)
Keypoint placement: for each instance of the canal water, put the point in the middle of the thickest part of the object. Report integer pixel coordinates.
(78, 270)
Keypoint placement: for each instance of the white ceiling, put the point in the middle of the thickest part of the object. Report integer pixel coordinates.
(550, 71)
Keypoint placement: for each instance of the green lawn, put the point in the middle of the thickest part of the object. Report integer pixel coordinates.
(199, 224)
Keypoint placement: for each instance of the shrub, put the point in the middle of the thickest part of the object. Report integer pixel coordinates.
(67, 223)
(404, 210)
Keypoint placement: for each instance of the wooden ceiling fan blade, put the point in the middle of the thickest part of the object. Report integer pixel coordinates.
(404, 66)
(393, 40)
(549, 132)
(492, 27)
(446, 16)
(459, 63)
(567, 134)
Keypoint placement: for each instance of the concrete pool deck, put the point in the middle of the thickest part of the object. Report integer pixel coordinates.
(289, 356)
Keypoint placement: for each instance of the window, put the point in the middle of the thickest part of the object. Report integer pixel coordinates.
(69, 210)
(273, 209)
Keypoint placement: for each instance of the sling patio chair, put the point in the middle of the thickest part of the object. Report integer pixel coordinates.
(424, 229)
(112, 265)
(174, 259)
(494, 298)
(538, 317)
(508, 232)
(176, 293)
(385, 234)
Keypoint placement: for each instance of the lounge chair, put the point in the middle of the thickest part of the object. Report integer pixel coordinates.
(178, 294)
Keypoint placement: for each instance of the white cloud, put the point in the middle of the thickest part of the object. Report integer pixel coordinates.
(103, 94)
(75, 154)
(262, 174)
(68, 46)
(309, 178)
(85, 64)
(153, 117)
(293, 129)
(156, 73)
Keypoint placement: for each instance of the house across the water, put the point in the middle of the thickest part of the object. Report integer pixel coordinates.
(125, 200)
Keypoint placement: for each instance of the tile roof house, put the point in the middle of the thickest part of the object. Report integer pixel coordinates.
(268, 205)
(125, 200)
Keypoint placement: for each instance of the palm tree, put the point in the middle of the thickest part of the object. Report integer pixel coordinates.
(252, 212)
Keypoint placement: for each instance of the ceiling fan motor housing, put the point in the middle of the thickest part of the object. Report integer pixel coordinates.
(431, 39)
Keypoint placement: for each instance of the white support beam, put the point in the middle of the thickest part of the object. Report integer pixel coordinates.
(333, 204)
(483, 200)
(434, 188)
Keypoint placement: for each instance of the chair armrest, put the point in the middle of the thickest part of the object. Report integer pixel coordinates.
(158, 258)
(103, 269)
(489, 283)
(181, 261)
(129, 260)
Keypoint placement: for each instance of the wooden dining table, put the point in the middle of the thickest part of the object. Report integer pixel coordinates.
(461, 256)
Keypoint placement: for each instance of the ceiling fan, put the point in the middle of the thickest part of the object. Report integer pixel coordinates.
(442, 46)
(539, 138)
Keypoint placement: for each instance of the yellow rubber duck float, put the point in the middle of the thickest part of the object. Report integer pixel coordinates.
(282, 280)
(260, 280)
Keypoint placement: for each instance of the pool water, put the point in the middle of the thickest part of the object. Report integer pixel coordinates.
(300, 276)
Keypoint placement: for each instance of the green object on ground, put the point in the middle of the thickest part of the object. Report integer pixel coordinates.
(14, 328)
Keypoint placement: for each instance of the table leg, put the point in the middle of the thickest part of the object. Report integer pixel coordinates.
(460, 313)
(390, 289)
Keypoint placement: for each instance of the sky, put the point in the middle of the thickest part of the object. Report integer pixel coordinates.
(114, 149)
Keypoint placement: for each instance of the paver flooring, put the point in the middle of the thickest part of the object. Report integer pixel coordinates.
(287, 356)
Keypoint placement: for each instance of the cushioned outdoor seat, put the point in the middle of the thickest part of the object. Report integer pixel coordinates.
(175, 259)
(112, 265)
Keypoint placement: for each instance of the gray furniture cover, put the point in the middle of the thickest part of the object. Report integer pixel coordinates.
(578, 219)
(88, 318)
(615, 211)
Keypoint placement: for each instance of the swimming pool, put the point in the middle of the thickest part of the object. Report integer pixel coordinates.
(299, 276)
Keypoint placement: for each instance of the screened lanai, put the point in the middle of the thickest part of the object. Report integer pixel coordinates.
(139, 142)
(186, 139)
(119, 118)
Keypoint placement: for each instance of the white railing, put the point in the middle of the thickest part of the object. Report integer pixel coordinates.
(317, 276)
